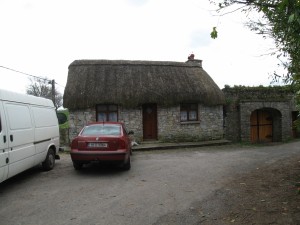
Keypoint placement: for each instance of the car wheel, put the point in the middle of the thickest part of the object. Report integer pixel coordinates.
(127, 165)
(77, 165)
(49, 162)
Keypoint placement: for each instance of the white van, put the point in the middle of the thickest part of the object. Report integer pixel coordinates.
(29, 133)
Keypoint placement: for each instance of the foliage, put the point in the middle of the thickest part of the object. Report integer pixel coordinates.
(271, 93)
(214, 33)
(42, 87)
(280, 20)
(285, 88)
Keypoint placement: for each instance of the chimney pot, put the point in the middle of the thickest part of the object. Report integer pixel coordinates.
(191, 59)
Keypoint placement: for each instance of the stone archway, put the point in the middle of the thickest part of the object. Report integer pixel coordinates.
(265, 125)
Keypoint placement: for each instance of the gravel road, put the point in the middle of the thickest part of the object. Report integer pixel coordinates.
(160, 185)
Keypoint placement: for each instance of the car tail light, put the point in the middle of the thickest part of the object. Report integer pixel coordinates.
(122, 144)
(74, 144)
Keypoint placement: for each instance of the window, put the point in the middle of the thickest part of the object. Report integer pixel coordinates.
(107, 112)
(188, 112)
(102, 130)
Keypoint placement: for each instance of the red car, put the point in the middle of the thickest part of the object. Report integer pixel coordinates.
(102, 141)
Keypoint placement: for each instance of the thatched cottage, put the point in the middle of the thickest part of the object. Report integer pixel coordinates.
(167, 101)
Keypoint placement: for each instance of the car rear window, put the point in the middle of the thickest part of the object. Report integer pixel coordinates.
(102, 130)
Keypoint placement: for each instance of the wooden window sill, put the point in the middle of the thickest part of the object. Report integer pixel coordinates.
(190, 122)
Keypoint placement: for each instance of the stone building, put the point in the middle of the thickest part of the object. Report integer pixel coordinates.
(259, 114)
(165, 101)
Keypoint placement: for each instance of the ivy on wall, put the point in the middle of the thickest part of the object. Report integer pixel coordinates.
(259, 93)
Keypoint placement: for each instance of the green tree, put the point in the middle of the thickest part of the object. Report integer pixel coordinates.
(42, 87)
(280, 20)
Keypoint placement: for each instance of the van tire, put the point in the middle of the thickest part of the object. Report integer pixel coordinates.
(49, 162)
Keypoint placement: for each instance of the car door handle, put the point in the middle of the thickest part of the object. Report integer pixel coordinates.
(11, 137)
(4, 138)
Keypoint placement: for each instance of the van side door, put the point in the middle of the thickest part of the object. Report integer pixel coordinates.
(4, 160)
(20, 135)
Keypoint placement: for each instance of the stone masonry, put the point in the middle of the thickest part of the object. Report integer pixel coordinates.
(242, 101)
(170, 129)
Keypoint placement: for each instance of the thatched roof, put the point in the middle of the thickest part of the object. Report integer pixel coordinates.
(133, 83)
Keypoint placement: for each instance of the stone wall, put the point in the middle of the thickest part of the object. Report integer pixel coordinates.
(232, 123)
(78, 119)
(133, 120)
(64, 136)
(242, 101)
(209, 126)
(282, 123)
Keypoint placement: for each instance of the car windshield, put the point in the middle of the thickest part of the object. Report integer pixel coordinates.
(101, 130)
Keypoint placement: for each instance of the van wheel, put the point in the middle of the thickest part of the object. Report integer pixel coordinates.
(49, 162)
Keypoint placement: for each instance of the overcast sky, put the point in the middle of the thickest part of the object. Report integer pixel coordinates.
(42, 38)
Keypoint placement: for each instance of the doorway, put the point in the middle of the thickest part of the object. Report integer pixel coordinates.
(150, 122)
(261, 126)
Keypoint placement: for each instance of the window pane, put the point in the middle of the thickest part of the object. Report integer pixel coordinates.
(107, 112)
(193, 115)
(113, 116)
(183, 115)
(189, 112)
(113, 130)
(96, 130)
(101, 116)
(88, 131)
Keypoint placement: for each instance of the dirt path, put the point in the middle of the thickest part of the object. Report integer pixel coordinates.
(268, 195)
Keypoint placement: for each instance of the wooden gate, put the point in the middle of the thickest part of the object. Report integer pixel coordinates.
(150, 122)
(261, 126)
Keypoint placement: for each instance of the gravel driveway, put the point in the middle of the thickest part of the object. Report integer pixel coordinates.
(160, 185)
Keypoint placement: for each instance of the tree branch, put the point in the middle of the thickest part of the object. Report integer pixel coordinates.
(253, 2)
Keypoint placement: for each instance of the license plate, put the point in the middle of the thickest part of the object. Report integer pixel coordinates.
(97, 145)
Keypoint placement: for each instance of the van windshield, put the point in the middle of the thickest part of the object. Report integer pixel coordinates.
(101, 130)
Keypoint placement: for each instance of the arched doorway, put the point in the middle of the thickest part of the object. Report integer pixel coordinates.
(265, 125)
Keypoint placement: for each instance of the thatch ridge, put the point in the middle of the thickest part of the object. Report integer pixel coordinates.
(133, 83)
(133, 62)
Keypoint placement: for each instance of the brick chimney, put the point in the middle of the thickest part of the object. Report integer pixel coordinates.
(191, 59)
(191, 56)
